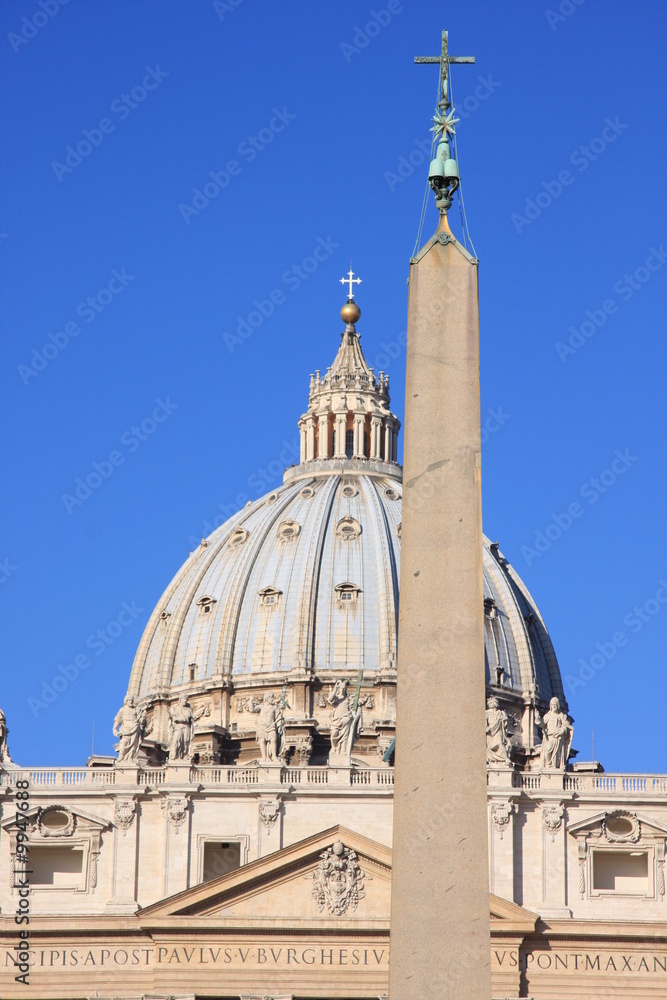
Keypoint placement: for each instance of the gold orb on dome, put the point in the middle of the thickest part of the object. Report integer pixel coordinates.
(350, 312)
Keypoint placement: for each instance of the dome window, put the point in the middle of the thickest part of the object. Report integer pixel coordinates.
(347, 595)
(205, 605)
(288, 531)
(237, 537)
(490, 607)
(391, 494)
(348, 528)
(164, 617)
(307, 492)
(271, 499)
(269, 597)
(349, 491)
(192, 671)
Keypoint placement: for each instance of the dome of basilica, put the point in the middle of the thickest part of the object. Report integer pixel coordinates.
(301, 587)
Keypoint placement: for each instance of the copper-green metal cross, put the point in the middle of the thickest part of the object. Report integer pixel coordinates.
(445, 61)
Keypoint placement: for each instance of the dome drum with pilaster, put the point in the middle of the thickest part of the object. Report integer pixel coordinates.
(300, 589)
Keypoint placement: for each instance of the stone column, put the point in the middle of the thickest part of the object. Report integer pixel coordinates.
(126, 822)
(302, 442)
(375, 437)
(554, 855)
(387, 450)
(176, 806)
(323, 436)
(341, 420)
(440, 918)
(310, 438)
(501, 847)
(359, 420)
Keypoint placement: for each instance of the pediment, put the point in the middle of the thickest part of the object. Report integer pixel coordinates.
(510, 916)
(43, 820)
(334, 877)
(335, 868)
(644, 826)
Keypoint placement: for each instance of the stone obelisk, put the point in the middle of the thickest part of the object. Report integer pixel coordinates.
(440, 923)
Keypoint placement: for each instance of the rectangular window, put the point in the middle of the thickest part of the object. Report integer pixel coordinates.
(58, 866)
(620, 871)
(221, 858)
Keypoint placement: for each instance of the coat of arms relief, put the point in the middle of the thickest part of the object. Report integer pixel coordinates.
(338, 880)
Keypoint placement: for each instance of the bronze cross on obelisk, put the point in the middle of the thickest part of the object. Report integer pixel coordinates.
(445, 61)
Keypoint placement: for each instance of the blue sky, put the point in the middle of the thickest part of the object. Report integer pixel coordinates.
(125, 295)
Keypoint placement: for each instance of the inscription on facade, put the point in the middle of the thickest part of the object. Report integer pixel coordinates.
(236, 956)
(572, 962)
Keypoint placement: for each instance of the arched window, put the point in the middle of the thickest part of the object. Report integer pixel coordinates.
(205, 605)
(347, 595)
(349, 444)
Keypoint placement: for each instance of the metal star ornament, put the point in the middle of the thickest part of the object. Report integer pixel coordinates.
(444, 124)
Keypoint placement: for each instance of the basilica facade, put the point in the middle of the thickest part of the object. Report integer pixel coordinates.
(239, 844)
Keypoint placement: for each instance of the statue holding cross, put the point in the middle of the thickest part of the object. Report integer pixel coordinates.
(346, 720)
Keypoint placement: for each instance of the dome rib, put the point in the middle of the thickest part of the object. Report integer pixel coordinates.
(388, 599)
(230, 622)
(305, 649)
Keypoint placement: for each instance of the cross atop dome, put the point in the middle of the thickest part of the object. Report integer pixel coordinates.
(349, 280)
(350, 312)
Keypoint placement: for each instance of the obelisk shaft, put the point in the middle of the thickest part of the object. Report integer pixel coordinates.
(440, 941)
